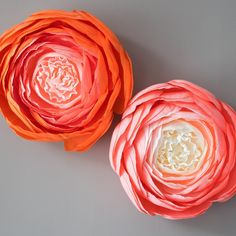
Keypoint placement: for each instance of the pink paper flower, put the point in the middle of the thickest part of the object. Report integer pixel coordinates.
(175, 150)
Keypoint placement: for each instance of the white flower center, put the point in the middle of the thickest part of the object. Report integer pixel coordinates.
(180, 148)
(57, 79)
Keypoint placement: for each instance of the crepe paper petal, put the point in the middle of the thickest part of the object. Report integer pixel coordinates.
(63, 75)
(175, 150)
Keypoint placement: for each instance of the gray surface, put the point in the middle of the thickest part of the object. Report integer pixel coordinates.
(45, 191)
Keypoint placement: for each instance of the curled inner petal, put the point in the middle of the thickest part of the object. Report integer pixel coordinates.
(180, 148)
(56, 80)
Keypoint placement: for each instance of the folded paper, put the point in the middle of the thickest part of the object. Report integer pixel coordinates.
(62, 77)
(175, 150)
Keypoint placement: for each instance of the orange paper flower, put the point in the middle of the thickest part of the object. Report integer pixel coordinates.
(175, 150)
(62, 76)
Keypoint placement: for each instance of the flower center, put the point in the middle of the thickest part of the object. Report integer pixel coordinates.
(57, 79)
(181, 148)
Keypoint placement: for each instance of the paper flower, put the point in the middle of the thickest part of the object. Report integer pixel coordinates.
(175, 150)
(62, 76)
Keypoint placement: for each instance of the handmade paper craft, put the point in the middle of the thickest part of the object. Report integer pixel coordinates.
(62, 76)
(175, 150)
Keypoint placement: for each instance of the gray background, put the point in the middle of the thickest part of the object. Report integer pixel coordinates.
(45, 191)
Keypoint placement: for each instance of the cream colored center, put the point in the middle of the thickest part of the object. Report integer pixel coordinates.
(180, 148)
